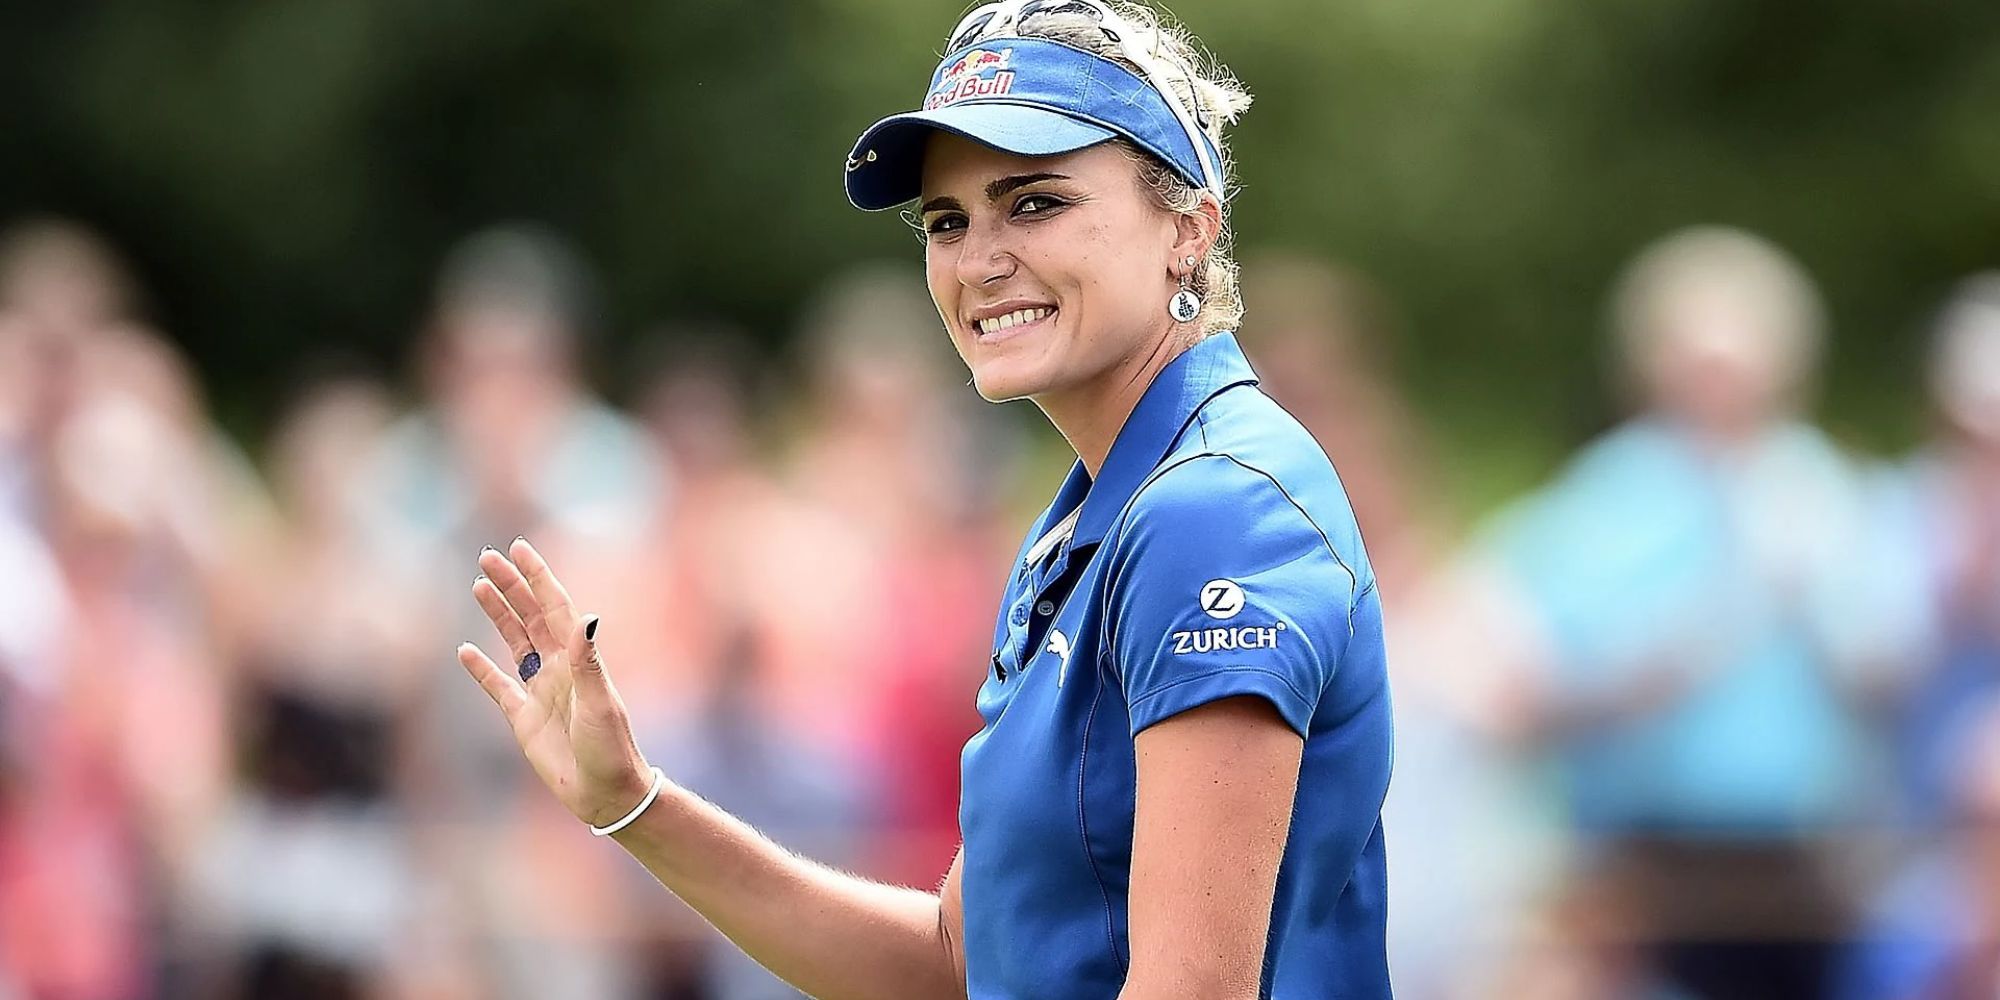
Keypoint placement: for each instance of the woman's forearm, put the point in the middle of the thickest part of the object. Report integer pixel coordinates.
(832, 935)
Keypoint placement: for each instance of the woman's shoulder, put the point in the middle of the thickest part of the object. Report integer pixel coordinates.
(1245, 473)
(1258, 433)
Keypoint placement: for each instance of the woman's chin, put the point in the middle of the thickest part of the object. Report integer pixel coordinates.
(998, 383)
(996, 391)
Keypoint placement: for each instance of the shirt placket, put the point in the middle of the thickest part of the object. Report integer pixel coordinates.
(1028, 617)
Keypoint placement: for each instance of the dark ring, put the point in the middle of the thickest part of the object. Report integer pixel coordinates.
(531, 665)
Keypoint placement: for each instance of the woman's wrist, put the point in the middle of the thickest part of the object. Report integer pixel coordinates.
(632, 788)
(652, 794)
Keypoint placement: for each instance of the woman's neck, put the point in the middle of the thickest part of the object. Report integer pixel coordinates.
(1090, 414)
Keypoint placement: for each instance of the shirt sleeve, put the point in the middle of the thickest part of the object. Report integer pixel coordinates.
(1221, 586)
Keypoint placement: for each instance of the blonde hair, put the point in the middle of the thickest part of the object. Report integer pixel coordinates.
(1965, 358)
(1748, 270)
(1166, 52)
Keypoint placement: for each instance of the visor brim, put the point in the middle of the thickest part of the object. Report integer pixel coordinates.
(887, 165)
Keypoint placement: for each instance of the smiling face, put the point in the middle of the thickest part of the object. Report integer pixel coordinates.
(1052, 273)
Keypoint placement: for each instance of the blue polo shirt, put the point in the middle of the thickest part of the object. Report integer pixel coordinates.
(1214, 556)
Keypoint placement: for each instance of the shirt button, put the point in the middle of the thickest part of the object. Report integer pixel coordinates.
(1020, 615)
(1045, 608)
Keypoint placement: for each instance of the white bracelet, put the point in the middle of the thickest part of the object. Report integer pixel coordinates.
(659, 782)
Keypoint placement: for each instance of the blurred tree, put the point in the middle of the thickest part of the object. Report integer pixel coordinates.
(286, 175)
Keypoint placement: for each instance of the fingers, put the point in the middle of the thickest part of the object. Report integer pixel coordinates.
(512, 631)
(520, 598)
(498, 684)
(556, 605)
(587, 674)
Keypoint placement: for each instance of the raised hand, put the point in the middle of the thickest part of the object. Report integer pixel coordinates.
(567, 717)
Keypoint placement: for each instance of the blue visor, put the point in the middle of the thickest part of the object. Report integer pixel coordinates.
(1027, 96)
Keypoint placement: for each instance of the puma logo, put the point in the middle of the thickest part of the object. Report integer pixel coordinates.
(1059, 645)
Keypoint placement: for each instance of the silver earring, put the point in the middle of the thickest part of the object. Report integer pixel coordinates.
(1186, 303)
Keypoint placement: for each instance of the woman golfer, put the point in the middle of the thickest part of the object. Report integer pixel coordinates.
(1176, 792)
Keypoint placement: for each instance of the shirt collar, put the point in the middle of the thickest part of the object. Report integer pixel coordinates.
(1213, 364)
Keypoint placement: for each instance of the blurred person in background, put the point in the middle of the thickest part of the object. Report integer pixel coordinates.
(1933, 933)
(708, 587)
(1481, 850)
(1467, 851)
(1709, 652)
(146, 510)
(61, 289)
(510, 433)
(31, 889)
(511, 438)
(907, 476)
(1585, 940)
(690, 580)
(47, 269)
(1321, 335)
(1945, 508)
(306, 875)
(736, 752)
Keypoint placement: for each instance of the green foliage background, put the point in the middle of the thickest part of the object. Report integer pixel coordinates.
(286, 175)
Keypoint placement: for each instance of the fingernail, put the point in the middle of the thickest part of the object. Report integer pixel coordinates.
(590, 629)
(520, 538)
(476, 579)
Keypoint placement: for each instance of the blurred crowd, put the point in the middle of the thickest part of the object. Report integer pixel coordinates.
(1713, 713)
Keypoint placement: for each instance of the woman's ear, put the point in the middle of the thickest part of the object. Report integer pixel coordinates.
(1197, 229)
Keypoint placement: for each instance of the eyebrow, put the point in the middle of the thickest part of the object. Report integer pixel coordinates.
(1018, 181)
(994, 190)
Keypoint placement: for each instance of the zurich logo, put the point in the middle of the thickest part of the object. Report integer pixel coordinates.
(1221, 599)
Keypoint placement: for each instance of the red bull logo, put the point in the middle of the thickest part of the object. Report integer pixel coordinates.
(975, 61)
(966, 77)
